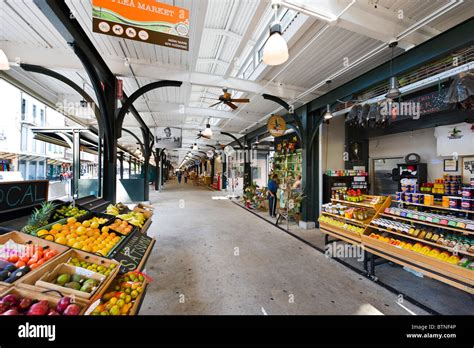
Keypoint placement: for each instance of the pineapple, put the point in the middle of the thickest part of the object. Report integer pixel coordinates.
(39, 217)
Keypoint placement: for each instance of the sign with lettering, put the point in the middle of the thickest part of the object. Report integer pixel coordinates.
(22, 194)
(142, 20)
(134, 252)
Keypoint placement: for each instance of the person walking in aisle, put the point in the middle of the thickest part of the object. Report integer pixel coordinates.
(179, 177)
(186, 174)
(272, 190)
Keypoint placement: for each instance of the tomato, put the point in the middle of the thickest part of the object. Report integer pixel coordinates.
(40, 262)
(13, 258)
(32, 261)
(20, 264)
(34, 265)
(25, 259)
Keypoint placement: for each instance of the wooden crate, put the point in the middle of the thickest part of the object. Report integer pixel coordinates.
(39, 295)
(136, 303)
(46, 280)
(29, 280)
(23, 238)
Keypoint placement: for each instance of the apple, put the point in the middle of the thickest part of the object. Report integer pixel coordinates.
(62, 304)
(11, 312)
(72, 309)
(40, 308)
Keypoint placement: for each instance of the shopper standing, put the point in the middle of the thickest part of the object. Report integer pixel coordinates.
(186, 175)
(272, 190)
(179, 177)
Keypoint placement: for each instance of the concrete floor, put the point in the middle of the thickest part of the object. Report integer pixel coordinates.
(212, 257)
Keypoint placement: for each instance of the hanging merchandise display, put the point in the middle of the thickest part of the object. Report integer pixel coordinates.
(287, 160)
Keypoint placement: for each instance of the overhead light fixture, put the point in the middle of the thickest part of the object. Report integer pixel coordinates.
(275, 51)
(393, 90)
(195, 146)
(4, 64)
(328, 114)
(208, 131)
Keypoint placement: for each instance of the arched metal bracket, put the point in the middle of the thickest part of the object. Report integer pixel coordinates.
(233, 137)
(44, 71)
(137, 94)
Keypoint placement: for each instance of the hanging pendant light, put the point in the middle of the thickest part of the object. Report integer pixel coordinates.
(275, 51)
(328, 114)
(195, 146)
(4, 64)
(208, 131)
(393, 90)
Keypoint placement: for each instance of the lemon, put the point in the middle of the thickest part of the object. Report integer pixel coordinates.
(95, 224)
(42, 233)
(57, 227)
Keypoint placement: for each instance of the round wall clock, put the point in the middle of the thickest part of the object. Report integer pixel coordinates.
(276, 125)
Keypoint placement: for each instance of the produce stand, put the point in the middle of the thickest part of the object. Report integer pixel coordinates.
(131, 253)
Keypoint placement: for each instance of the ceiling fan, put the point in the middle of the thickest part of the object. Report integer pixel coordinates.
(227, 99)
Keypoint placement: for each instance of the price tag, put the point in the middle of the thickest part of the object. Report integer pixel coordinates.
(92, 307)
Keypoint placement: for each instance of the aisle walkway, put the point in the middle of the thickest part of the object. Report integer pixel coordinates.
(212, 257)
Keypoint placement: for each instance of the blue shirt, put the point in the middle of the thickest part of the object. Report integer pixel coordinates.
(272, 186)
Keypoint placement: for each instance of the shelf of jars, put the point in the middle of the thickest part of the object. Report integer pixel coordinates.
(348, 216)
(436, 242)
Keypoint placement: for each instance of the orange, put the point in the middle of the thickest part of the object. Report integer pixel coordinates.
(105, 229)
(71, 220)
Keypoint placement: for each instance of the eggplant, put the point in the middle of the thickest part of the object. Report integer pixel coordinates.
(20, 272)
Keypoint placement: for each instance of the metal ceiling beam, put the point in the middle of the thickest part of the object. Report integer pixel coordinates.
(442, 45)
(65, 59)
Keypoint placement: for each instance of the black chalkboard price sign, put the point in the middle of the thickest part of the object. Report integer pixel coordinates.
(134, 253)
(22, 194)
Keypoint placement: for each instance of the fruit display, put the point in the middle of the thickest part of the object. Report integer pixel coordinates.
(39, 217)
(341, 224)
(76, 282)
(68, 211)
(426, 250)
(121, 226)
(12, 304)
(124, 292)
(117, 209)
(134, 218)
(17, 259)
(354, 195)
(85, 236)
(92, 266)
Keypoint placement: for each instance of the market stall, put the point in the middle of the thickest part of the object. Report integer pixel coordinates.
(67, 260)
